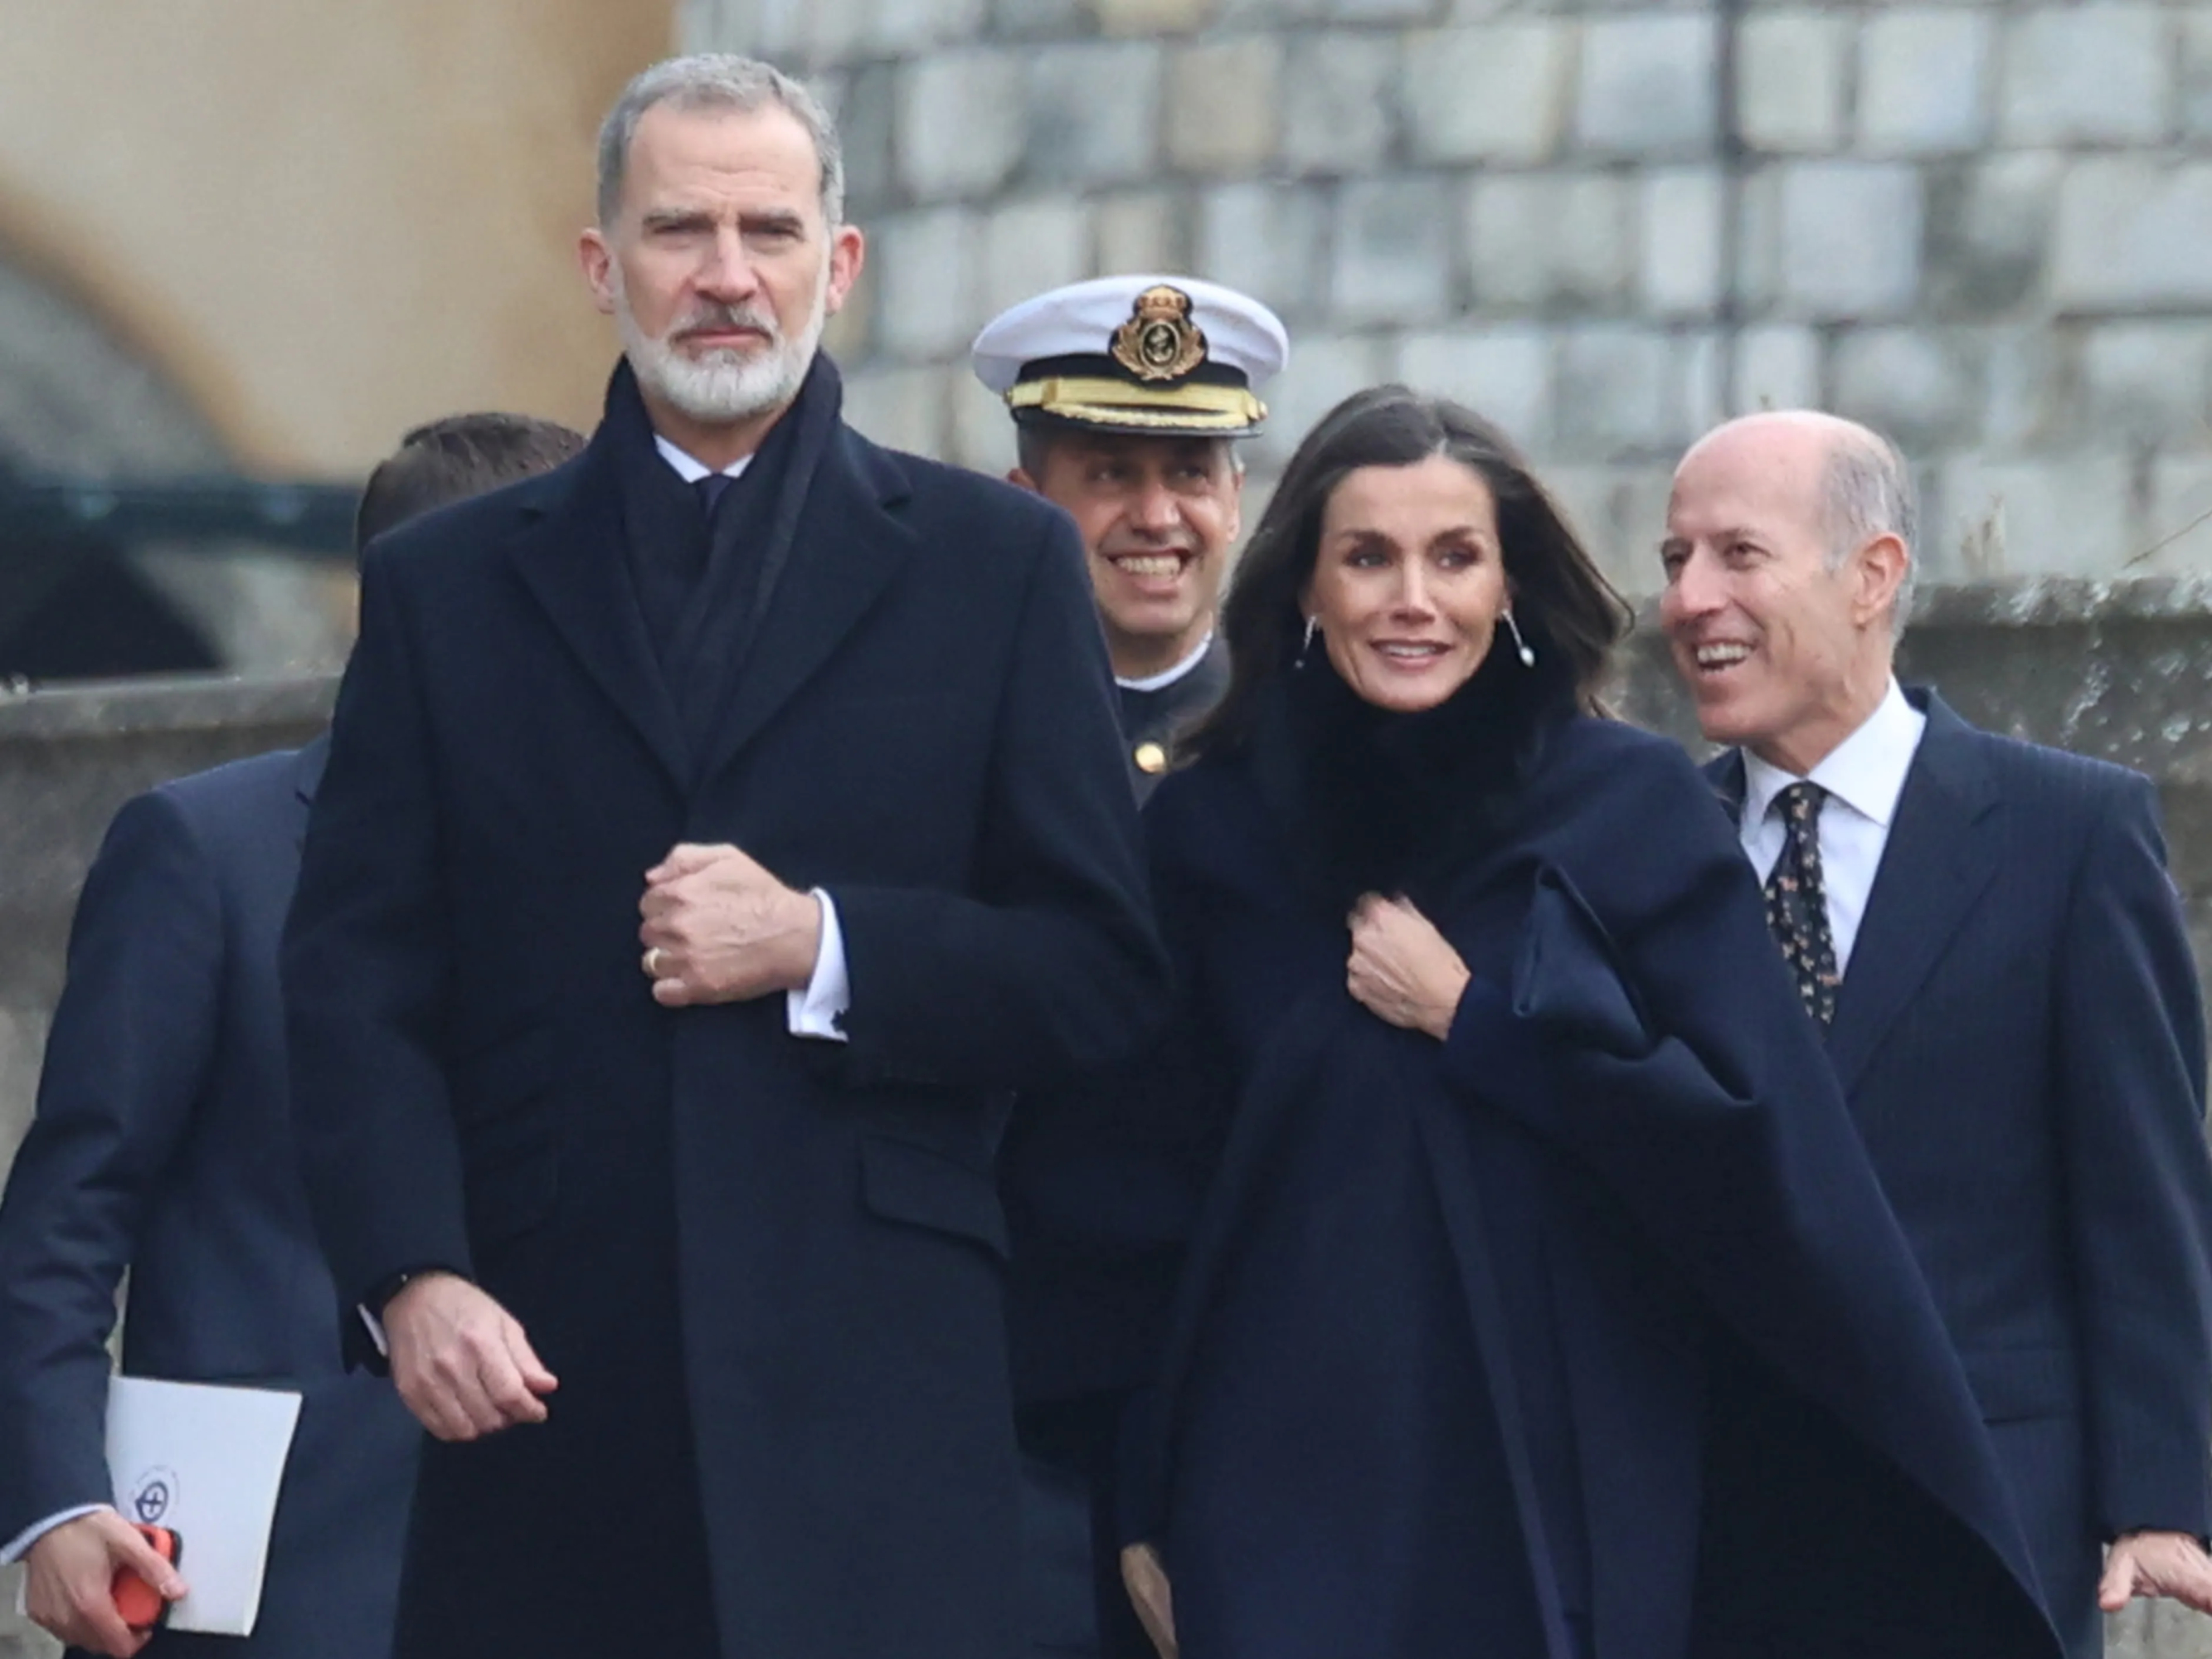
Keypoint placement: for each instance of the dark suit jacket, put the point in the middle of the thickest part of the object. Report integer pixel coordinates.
(766, 1269)
(2020, 1039)
(162, 1144)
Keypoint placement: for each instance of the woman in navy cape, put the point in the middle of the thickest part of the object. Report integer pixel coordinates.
(1541, 1304)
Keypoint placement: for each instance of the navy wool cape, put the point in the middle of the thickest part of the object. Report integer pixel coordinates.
(1624, 1357)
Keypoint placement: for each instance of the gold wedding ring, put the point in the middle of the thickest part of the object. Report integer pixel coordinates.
(652, 960)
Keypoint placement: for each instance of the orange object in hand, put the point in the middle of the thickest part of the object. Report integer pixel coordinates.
(138, 1603)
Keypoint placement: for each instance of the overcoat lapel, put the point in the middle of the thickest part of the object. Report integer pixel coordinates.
(845, 551)
(307, 778)
(1941, 854)
(572, 561)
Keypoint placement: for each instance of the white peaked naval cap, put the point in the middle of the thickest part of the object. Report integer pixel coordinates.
(1150, 355)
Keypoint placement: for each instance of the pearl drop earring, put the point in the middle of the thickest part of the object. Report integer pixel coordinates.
(1521, 648)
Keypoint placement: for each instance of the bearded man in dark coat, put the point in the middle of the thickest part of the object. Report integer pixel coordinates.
(694, 1271)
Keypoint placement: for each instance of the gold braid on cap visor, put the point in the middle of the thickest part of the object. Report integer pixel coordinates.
(1103, 402)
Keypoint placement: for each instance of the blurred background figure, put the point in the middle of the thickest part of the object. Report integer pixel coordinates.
(163, 1147)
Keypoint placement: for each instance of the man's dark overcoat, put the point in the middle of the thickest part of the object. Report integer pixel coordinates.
(765, 1268)
(1584, 1335)
(2020, 1036)
(162, 1148)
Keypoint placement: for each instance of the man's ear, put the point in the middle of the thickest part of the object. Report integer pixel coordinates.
(1235, 527)
(848, 251)
(1880, 566)
(1021, 480)
(597, 260)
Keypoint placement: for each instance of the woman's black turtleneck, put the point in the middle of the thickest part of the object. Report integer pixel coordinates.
(1375, 800)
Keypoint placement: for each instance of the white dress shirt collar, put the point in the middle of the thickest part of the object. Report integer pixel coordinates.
(1866, 771)
(690, 468)
(1166, 678)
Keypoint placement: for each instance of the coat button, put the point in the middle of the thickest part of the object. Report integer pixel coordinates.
(1152, 758)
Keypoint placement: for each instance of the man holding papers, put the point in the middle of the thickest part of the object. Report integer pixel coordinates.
(161, 1145)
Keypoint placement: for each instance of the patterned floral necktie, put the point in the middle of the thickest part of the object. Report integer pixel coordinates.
(1797, 902)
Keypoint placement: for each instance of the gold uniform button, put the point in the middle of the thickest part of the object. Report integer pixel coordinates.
(1151, 757)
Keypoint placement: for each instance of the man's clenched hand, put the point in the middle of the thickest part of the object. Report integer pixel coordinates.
(461, 1361)
(719, 928)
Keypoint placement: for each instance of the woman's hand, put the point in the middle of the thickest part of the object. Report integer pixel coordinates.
(1402, 969)
(1147, 1583)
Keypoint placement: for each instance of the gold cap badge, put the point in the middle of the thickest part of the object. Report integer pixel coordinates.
(1159, 342)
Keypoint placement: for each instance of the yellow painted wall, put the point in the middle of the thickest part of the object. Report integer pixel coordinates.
(325, 220)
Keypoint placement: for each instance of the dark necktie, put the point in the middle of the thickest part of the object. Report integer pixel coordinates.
(711, 489)
(1797, 902)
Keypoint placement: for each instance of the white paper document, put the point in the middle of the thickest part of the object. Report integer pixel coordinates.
(204, 1462)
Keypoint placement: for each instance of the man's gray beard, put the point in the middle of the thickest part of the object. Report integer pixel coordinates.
(723, 387)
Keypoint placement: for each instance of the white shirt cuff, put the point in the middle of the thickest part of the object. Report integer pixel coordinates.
(819, 1010)
(19, 1544)
(375, 1330)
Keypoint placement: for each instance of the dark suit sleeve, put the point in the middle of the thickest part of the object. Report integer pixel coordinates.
(1050, 966)
(1103, 1179)
(125, 1062)
(2131, 1055)
(366, 960)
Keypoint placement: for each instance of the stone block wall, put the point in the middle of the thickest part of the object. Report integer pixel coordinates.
(1608, 223)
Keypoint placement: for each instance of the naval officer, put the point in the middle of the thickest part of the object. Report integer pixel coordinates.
(1128, 395)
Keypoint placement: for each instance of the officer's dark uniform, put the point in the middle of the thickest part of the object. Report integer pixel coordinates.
(1151, 720)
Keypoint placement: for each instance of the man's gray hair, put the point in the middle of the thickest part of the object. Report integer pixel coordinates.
(717, 81)
(1868, 492)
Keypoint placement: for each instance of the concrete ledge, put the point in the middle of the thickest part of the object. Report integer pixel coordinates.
(125, 707)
